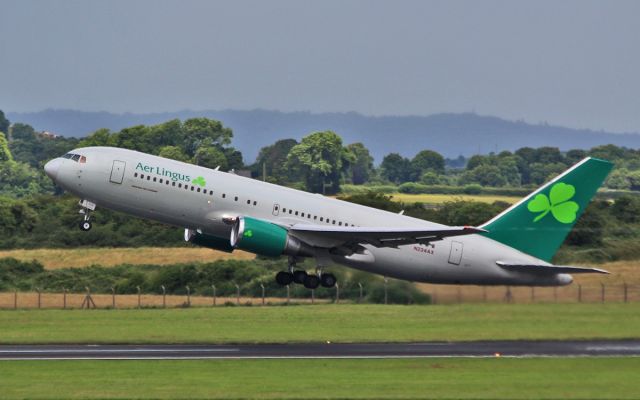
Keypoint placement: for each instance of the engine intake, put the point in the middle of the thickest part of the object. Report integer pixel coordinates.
(266, 239)
(206, 240)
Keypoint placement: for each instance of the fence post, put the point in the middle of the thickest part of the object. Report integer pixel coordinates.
(113, 297)
(214, 294)
(337, 293)
(262, 287)
(15, 299)
(313, 295)
(139, 297)
(288, 294)
(601, 292)
(484, 294)
(64, 298)
(626, 298)
(508, 296)
(579, 293)
(360, 298)
(39, 297)
(237, 293)
(459, 295)
(555, 294)
(188, 296)
(164, 296)
(533, 294)
(386, 297)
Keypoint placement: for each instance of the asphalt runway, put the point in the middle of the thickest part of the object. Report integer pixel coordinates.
(328, 350)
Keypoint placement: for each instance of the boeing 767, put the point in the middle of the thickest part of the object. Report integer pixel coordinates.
(224, 211)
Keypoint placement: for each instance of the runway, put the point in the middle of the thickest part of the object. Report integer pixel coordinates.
(324, 350)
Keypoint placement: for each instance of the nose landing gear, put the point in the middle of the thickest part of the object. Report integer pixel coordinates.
(85, 209)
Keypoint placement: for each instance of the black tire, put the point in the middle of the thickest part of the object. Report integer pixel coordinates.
(328, 280)
(311, 281)
(299, 276)
(284, 278)
(85, 226)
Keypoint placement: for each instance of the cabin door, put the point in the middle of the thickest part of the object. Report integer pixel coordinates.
(117, 171)
(455, 256)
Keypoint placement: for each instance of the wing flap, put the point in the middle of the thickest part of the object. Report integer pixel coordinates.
(548, 269)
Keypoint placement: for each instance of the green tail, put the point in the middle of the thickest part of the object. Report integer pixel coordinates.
(539, 223)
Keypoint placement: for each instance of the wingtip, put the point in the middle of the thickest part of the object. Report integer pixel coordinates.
(474, 229)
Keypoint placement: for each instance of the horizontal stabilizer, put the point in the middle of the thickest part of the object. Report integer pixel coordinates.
(548, 269)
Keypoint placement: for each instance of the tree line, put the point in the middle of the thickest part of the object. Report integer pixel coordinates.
(320, 162)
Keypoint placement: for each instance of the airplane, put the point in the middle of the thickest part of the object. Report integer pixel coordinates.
(225, 211)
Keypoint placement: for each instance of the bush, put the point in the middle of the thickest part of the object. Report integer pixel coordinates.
(398, 292)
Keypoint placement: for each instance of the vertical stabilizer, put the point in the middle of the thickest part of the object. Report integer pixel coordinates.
(538, 224)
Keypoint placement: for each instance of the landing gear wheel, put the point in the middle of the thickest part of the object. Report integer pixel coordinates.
(328, 280)
(284, 278)
(299, 276)
(311, 281)
(85, 226)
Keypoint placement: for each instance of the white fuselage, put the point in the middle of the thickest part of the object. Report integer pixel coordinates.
(160, 189)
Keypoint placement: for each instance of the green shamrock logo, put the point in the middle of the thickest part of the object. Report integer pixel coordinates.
(248, 233)
(558, 203)
(199, 181)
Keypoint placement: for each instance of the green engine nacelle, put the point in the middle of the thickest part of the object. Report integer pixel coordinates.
(266, 239)
(206, 240)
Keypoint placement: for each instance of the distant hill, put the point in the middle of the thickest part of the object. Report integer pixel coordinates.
(449, 134)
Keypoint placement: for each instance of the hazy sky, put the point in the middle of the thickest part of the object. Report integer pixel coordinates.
(573, 63)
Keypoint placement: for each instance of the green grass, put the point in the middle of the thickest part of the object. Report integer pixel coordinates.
(541, 378)
(320, 323)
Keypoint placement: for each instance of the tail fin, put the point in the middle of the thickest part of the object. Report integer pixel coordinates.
(538, 224)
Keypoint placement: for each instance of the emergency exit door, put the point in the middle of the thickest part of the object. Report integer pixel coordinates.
(117, 171)
(455, 256)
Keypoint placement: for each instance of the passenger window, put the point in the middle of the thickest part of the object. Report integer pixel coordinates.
(334, 221)
(321, 219)
(192, 188)
(148, 177)
(249, 202)
(173, 184)
(284, 210)
(211, 192)
(161, 181)
(167, 182)
(315, 217)
(296, 213)
(290, 211)
(255, 203)
(198, 190)
(180, 185)
(224, 195)
(135, 175)
(236, 198)
(340, 223)
(154, 178)
(141, 176)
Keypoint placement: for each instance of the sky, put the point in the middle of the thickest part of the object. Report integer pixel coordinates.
(570, 63)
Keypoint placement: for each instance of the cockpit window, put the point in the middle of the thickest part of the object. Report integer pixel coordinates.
(75, 157)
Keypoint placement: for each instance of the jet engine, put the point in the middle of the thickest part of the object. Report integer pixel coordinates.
(266, 239)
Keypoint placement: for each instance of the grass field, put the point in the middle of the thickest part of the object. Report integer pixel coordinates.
(499, 378)
(321, 323)
(82, 257)
(441, 198)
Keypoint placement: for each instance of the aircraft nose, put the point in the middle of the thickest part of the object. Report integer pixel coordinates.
(51, 168)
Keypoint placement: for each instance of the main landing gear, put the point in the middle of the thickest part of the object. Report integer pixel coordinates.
(85, 209)
(310, 281)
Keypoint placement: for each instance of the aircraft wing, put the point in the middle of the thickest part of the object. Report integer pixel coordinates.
(336, 236)
(548, 269)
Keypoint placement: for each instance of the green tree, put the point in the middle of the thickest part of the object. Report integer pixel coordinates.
(274, 159)
(321, 160)
(396, 168)
(4, 123)
(174, 153)
(204, 132)
(210, 157)
(362, 167)
(5, 153)
(427, 160)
